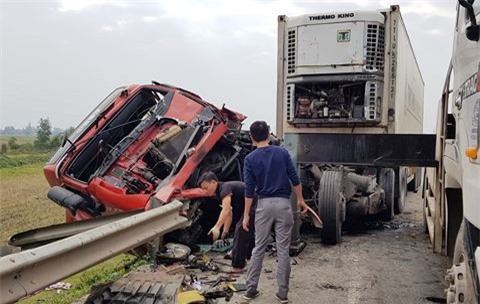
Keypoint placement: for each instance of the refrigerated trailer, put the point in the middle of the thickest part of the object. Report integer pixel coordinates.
(350, 112)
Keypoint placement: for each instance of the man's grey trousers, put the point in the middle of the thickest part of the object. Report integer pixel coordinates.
(272, 212)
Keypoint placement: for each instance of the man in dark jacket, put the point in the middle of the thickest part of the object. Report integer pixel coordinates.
(232, 196)
(270, 173)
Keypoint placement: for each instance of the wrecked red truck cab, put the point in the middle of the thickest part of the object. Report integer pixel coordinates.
(143, 146)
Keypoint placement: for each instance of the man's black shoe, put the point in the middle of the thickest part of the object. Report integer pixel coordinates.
(282, 300)
(250, 295)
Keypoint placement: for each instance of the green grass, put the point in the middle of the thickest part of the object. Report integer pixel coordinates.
(24, 202)
(24, 205)
(23, 159)
(25, 155)
(81, 283)
(21, 140)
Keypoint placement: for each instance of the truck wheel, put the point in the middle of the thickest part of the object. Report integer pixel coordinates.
(331, 205)
(386, 180)
(461, 289)
(402, 191)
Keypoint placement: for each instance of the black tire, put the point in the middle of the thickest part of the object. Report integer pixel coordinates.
(330, 200)
(386, 180)
(400, 200)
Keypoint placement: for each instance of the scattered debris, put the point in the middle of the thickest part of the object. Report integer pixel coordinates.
(436, 299)
(294, 250)
(221, 279)
(173, 269)
(330, 286)
(139, 287)
(59, 286)
(155, 287)
(173, 251)
(195, 283)
(228, 255)
(236, 287)
(222, 245)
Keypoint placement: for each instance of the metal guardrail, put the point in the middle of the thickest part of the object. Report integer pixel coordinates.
(24, 273)
(41, 236)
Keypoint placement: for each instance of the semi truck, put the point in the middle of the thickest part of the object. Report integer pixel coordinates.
(350, 112)
(451, 202)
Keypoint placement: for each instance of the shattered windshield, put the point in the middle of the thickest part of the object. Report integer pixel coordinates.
(86, 123)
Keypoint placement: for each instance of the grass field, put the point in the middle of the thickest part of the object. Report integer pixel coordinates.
(24, 205)
(20, 139)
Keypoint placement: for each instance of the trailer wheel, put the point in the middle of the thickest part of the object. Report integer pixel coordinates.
(331, 205)
(402, 191)
(460, 275)
(386, 180)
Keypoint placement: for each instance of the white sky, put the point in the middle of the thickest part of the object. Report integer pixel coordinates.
(59, 59)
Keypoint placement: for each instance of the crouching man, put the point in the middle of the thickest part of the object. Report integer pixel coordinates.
(232, 195)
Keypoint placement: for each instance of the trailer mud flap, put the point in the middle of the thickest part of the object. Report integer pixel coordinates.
(383, 150)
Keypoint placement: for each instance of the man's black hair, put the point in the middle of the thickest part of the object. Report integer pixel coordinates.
(208, 177)
(260, 131)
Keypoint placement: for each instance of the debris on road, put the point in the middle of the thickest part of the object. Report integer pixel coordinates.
(59, 286)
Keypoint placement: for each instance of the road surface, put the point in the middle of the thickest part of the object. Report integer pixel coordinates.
(384, 263)
(379, 263)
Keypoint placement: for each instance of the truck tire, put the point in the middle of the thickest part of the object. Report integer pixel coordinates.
(386, 180)
(460, 275)
(331, 206)
(400, 200)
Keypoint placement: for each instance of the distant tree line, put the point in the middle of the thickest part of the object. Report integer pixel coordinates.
(28, 130)
(46, 137)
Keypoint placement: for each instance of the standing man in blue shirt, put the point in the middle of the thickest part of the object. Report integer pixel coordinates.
(270, 171)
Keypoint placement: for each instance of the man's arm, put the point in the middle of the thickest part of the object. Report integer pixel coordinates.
(246, 213)
(226, 212)
(302, 206)
(225, 216)
(226, 226)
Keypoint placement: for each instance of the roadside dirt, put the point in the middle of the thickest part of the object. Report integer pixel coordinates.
(384, 263)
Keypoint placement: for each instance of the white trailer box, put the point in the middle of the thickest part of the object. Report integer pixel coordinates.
(350, 72)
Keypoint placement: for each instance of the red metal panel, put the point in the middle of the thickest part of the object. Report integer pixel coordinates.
(175, 186)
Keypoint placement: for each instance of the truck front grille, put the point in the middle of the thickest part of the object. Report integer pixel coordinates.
(291, 49)
(375, 41)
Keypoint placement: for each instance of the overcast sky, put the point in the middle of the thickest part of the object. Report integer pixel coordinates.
(59, 59)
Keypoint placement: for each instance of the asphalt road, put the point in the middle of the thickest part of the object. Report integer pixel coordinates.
(379, 263)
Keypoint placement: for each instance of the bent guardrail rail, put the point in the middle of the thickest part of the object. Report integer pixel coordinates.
(26, 272)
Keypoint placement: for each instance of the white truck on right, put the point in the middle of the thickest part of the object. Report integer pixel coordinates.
(452, 190)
